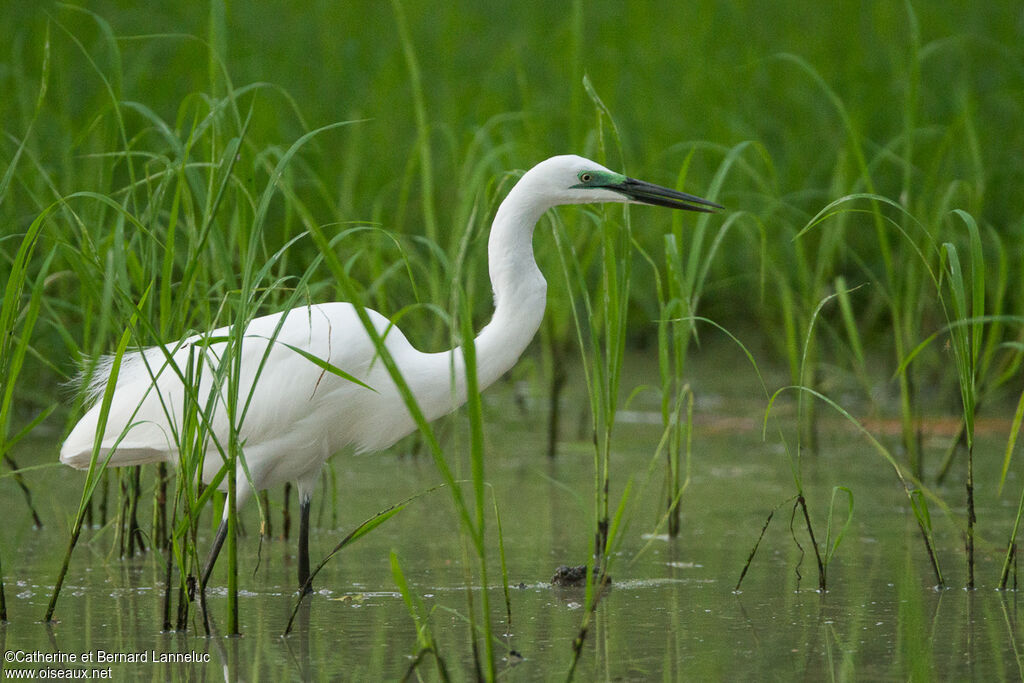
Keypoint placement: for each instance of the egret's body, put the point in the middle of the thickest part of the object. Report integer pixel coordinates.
(300, 414)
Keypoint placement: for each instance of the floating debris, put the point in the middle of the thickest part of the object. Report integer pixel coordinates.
(575, 577)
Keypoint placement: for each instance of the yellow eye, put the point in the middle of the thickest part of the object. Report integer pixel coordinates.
(586, 177)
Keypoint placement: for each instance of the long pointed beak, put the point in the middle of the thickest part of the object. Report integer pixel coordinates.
(656, 195)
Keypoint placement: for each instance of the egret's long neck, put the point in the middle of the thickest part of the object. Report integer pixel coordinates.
(519, 297)
(519, 288)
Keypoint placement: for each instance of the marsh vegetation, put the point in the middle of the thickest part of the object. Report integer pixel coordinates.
(812, 399)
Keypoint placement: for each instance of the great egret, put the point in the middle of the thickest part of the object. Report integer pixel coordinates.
(298, 414)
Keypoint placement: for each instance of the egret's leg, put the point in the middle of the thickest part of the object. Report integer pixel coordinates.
(304, 546)
(218, 542)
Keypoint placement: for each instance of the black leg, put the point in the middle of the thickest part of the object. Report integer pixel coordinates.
(218, 541)
(305, 585)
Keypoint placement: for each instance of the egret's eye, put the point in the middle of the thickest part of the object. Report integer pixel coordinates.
(586, 177)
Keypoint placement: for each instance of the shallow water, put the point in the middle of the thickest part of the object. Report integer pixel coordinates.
(671, 612)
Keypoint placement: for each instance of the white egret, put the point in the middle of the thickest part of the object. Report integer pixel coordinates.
(299, 415)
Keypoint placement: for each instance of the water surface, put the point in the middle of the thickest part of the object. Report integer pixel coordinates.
(672, 611)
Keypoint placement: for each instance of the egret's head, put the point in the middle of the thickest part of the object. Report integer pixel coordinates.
(571, 179)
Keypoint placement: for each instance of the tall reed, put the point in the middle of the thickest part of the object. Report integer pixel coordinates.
(965, 323)
(897, 278)
(18, 317)
(600, 333)
(966, 335)
(689, 255)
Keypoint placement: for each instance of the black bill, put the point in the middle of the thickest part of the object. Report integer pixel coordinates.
(656, 195)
